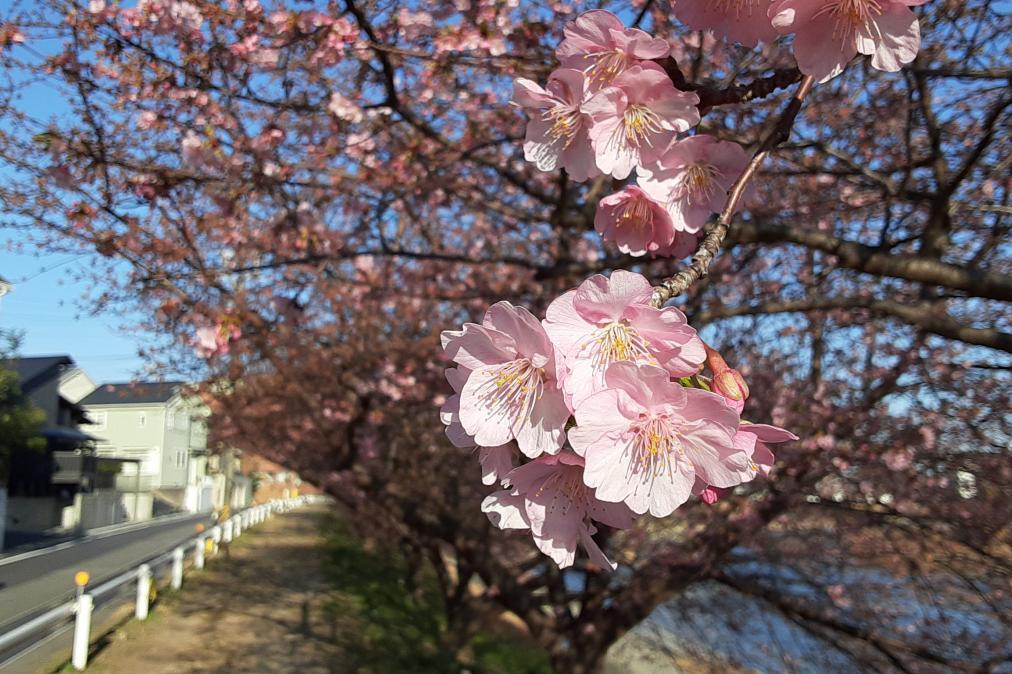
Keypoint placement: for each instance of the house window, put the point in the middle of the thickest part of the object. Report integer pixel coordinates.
(98, 420)
(142, 419)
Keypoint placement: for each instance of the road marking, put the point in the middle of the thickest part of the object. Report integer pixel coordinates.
(123, 529)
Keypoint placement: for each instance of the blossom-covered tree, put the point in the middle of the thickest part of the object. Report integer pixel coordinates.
(301, 198)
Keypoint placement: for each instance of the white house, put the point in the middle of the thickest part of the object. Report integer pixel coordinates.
(153, 424)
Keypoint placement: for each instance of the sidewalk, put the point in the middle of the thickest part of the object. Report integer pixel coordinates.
(260, 611)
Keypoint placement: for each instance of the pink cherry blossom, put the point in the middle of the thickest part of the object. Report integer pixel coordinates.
(636, 117)
(756, 458)
(742, 21)
(647, 439)
(557, 132)
(214, 340)
(344, 108)
(634, 222)
(829, 33)
(610, 320)
(495, 461)
(692, 179)
(549, 497)
(598, 44)
(511, 391)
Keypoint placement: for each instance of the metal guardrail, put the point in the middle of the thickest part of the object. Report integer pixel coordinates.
(80, 609)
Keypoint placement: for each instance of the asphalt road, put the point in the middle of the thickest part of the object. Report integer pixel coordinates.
(30, 586)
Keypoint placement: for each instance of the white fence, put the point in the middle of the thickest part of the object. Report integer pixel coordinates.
(80, 610)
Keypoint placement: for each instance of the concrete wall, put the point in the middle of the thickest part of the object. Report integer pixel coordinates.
(33, 514)
(100, 508)
(138, 505)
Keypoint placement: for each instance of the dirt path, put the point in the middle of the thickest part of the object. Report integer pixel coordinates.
(260, 611)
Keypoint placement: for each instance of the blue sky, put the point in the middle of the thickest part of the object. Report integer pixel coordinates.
(47, 306)
(47, 303)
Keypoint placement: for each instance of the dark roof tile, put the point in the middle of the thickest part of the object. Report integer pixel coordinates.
(133, 393)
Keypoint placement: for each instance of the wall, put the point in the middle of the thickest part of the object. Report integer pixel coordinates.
(33, 514)
(176, 450)
(124, 436)
(75, 384)
(100, 508)
(47, 397)
(138, 506)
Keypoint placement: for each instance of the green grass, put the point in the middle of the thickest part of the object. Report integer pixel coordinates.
(385, 628)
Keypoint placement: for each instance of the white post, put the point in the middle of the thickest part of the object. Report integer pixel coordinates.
(237, 526)
(82, 631)
(227, 531)
(198, 553)
(143, 591)
(177, 568)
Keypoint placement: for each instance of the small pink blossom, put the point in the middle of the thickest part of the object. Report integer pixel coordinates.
(214, 341)
(557, 131)
(742, 21)
(634, 222)
(711, 495)
(344, 108)
(601, 46)
(10, 35)
(829, 33)
(692, 179)
(647, 439)
(610, 320)
(549, 497)
(147, 120)
(511, 391)
(755, 457)
(636, 117)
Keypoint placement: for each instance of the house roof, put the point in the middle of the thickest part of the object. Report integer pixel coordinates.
(34, 371)
(132, 393)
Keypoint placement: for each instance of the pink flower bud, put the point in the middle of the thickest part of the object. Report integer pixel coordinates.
(711, 495)
(731, 385)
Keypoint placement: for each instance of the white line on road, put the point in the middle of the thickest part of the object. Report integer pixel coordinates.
(100, 533)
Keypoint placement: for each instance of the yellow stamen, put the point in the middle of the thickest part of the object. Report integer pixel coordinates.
(850, 15)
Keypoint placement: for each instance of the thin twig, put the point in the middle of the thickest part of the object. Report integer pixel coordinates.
(711, 243)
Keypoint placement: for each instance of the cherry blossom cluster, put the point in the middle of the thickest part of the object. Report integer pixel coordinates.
(827, 33)
(583, 417)
(610, 109)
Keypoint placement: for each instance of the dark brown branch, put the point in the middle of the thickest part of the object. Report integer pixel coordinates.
(928, 316)
(872, 260)
(715, 235)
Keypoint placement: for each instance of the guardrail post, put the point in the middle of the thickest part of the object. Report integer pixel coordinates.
(82, 631)
(198, 552)
(143, 591)
(177, 568)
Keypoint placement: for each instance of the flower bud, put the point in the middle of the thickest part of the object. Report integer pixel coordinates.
(711, 495)
(731, 385)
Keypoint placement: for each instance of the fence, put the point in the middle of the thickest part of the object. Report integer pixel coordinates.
(80, 610)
